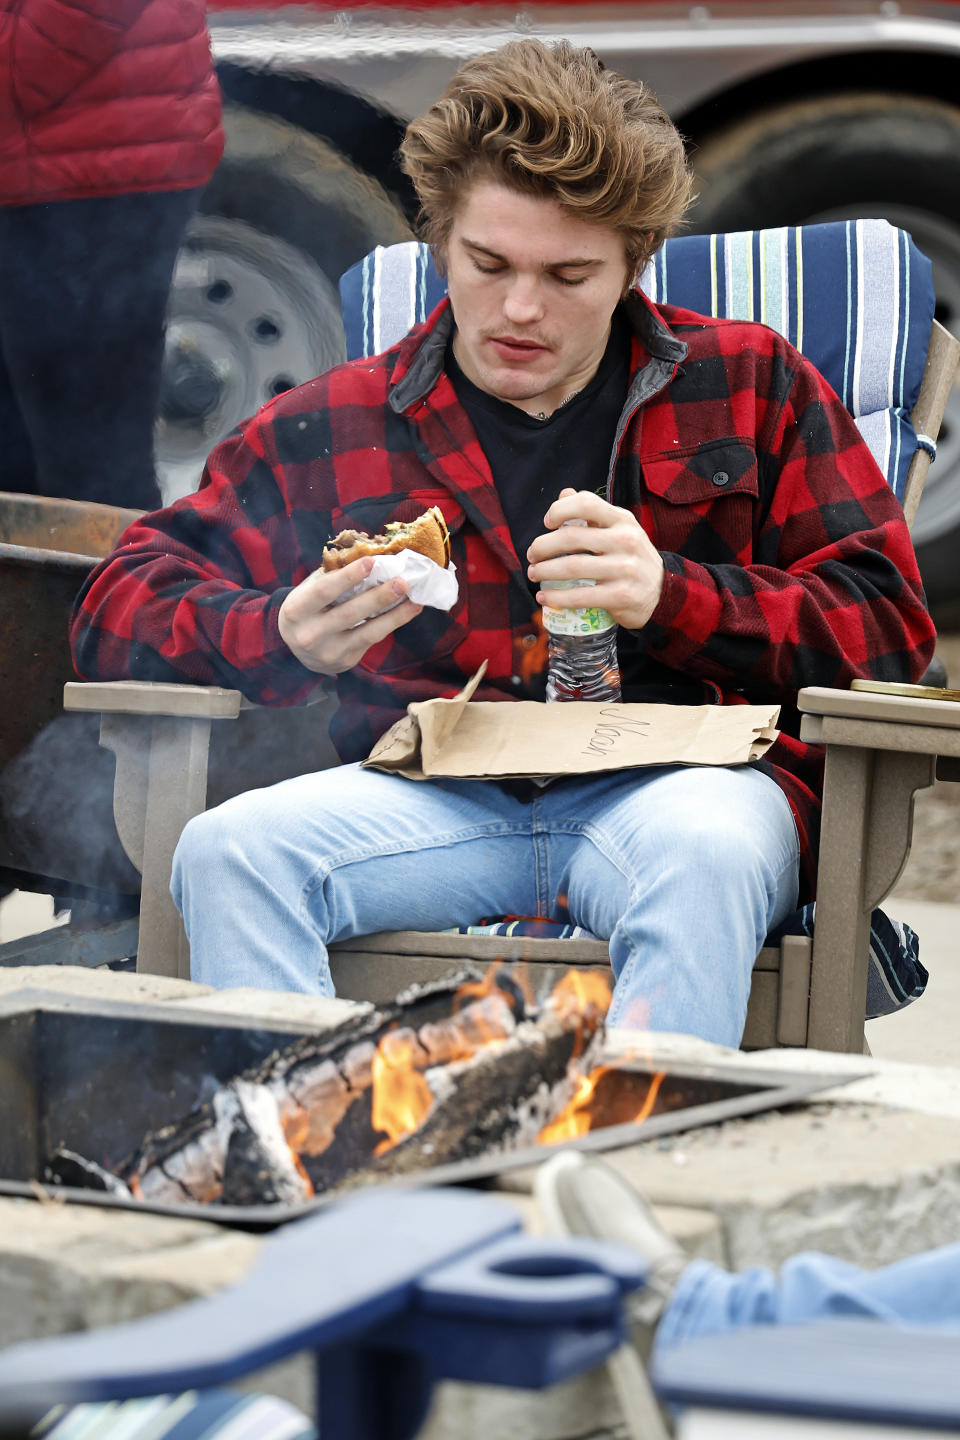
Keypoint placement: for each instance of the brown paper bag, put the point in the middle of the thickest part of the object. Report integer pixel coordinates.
(512, 739)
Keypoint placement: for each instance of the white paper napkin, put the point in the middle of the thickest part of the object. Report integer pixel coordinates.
(427, 582)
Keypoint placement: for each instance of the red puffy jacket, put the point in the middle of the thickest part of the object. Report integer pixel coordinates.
(105, 97)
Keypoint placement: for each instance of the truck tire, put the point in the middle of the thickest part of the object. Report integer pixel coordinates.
(849, 156)
(254, 307)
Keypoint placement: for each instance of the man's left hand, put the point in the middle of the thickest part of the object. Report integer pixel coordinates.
(612, 549)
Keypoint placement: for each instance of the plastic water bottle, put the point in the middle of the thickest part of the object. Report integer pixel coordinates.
(581, 648)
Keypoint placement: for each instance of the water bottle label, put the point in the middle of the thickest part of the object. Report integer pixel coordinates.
(577, 622)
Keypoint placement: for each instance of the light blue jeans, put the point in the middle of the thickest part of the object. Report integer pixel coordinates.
(683, 869)
(924, 1289)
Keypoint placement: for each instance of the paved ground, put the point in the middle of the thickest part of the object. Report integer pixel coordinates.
(928, 898)
(933, 870)
(927, 1032)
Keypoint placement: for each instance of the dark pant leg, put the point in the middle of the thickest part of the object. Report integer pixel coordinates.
(17, 466)
(82, 303)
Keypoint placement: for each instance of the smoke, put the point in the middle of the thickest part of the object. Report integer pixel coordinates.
(56, 813)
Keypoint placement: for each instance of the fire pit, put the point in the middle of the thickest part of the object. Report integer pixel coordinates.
(207, 1116)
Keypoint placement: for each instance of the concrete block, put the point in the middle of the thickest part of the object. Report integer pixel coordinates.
(263, 1006)
(99, 984)
(73, 1267)
(260, 1007)
(862, 1182)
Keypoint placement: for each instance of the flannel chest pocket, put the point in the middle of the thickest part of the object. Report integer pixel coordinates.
(703, 500)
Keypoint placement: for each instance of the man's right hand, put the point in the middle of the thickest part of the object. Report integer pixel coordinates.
(329, 638)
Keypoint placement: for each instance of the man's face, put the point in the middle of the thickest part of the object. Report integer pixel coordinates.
(533, 290)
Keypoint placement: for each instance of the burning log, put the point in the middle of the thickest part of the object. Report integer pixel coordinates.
(75, 1170)
(498, 1100)
(245, 1140)
(450, 1070)
(259, 1167)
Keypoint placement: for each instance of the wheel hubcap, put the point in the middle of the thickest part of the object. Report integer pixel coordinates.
(249, 317)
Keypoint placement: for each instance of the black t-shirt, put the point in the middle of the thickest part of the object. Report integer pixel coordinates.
(533, 460)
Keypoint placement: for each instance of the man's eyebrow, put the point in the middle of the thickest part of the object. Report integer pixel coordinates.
(574, 262)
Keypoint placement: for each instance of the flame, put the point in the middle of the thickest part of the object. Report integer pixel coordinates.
(472, 990)
(301, 1170)
(575, 1118)
(637, 1015)
(532, 661)
(582, 991)
(296, 1127)
(401, 1099)
(581, 1114)
(581, 999)
(401, 1096)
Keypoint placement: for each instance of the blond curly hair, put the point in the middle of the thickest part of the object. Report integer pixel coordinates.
(551, 121)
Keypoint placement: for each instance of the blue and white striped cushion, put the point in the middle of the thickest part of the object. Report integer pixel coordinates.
(895, 976)
(190, 1415)
(855, 296)
(392, 289)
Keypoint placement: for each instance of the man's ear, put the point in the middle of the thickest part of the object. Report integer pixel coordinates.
(651, 251)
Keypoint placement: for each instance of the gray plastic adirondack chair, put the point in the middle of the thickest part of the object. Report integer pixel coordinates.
(806, 991)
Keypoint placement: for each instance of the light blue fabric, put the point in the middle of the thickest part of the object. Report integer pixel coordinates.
(923, 1289)
(856, 297)
(267, 880)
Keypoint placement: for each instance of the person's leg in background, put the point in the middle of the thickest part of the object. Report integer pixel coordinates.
(922, 1289)
(84, 294)
(685, 870)
(581, 1195)
(17, 465)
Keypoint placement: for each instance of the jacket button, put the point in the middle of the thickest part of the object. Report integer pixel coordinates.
(528, 642)
(721, 478)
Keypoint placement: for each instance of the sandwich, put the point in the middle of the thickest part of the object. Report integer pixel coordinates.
(427, 534)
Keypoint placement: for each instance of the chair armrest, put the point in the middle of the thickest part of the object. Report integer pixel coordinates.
(160, 736)
(858, 1372)
(869, 720)
(439, 1275)
(877, 705)
(880, 750)
(149, 697)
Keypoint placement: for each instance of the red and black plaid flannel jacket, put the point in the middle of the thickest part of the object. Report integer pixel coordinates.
(788, 561)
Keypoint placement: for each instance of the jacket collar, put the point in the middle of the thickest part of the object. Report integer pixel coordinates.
(421, 354)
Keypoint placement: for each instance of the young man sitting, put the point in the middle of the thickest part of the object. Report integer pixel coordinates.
(736, 526)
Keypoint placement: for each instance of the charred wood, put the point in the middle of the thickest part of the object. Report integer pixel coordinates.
(309, 1097)
(497, 1101)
